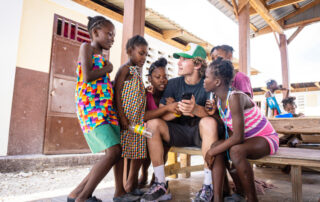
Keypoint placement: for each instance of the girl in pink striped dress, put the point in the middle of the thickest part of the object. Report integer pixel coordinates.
(249, 135)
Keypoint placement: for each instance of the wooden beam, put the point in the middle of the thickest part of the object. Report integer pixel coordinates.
(296, 181)
(302, 9)
(302, 23)
(277, 5)
(296, 6)
(242, 5)
(299, 29)
(284, 64)
(268, 29)
(159, 36)
(264, 13)
(235, 8)
(254, 28)
(244, 39)
(169, 34)
(317, 84)
(277, 40)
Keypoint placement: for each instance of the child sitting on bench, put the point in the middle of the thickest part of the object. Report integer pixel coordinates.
(248, 134)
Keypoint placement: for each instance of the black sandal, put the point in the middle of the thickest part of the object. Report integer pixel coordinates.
(93, 199)
(71, 199)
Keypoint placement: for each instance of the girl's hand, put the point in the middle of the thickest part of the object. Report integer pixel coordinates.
(108, 66)
(124, 123)
(150, 89)
(209, 158)
(173, 107)
(169, 100)
(210, 107)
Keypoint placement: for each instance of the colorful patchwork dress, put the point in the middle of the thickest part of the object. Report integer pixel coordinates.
(133, 100)
(97, 117)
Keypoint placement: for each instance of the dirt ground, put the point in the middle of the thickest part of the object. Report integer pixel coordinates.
(55, 184)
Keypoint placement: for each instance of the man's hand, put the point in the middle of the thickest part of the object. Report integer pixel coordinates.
(187, 106)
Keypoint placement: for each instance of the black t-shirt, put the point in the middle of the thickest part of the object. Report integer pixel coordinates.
(177, 87)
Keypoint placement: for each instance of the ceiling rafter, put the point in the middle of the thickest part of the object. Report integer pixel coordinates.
(232, 9)
(264, 13)
(268, 29)
(278, 5)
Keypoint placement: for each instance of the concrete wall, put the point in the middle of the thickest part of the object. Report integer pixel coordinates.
(10, 19)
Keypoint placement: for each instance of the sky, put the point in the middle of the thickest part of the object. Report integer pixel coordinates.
(201, 18)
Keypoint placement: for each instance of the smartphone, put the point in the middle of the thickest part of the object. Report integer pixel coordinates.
(186, 96)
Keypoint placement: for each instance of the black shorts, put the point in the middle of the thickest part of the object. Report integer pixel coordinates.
(184, 135)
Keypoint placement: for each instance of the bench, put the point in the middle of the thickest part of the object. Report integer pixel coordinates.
(296, 157)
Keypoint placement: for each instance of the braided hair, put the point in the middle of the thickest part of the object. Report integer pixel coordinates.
(223, 69)
(97, 22)
(160, 63)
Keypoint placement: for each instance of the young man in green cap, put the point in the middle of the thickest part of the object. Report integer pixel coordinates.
(193, 128)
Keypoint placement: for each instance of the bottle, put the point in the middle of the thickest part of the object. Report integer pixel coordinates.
(211, 101)
(141, 130)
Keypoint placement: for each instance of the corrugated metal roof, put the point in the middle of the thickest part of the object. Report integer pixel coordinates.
(226, 7)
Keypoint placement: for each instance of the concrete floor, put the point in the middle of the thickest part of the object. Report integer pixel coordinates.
(185, 189)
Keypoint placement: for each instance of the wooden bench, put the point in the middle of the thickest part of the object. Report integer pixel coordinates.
(296, 157)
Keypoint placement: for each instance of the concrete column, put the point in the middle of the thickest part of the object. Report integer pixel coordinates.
(10, 20)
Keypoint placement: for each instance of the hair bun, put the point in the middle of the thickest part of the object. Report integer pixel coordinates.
(161, 62)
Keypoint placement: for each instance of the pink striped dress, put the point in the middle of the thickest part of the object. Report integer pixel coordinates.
(255, 125)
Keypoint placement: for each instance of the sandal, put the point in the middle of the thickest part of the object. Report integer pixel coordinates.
(93, 199)
(126, 198)
(71, 199)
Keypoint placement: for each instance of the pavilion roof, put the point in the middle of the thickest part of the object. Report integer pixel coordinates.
(273, 15)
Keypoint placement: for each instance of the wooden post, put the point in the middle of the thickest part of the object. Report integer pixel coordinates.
(185, 161)
(284, 64)
(133, 23)
(296, 182)
(244, 40)
(172, 159)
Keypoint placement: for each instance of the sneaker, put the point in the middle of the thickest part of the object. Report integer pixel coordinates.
(205, 194)
(234, 198)
(156, 192)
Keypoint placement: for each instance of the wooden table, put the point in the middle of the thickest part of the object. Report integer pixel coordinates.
(305, 125)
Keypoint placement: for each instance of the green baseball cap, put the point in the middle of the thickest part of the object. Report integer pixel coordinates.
(193, 50)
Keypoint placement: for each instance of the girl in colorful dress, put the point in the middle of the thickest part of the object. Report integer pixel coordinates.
(96, 115)
(130, 97)
(248, 134)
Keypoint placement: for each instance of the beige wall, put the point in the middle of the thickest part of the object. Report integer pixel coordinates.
(36, 32)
